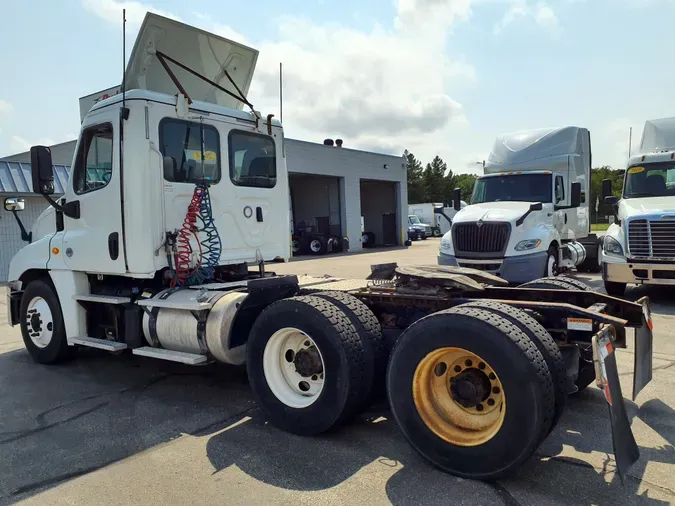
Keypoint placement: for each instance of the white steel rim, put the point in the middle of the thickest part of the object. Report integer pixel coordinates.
(279, 367)
(550, 266)
(295, 246)
(315, 245)
(39, 322)
(599, 257)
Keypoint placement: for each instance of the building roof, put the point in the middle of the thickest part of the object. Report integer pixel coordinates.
(15, 178)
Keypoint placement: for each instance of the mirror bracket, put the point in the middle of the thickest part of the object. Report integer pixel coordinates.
(70, 209)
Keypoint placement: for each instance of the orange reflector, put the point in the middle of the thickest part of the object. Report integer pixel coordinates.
(55, 251)
(519, 172)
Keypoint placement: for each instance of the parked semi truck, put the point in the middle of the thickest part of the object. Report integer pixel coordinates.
(176, 201)
(529, 211)
(639, 247)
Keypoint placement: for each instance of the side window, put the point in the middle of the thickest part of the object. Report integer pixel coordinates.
(191, 151)
(253, 160)
(93, 164)
(559, 189)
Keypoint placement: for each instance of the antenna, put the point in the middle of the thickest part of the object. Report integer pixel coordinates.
(281, 93)
(124, 58)
(630, 140)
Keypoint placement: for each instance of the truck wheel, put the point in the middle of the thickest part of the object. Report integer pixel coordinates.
(437, 232)
(367, 325)
(308, 367)
(551, 268)
(557, 283)
(474, 407)
(42, 327)
(615, 289)
(544, 343)
(586, 373)
(318, 245)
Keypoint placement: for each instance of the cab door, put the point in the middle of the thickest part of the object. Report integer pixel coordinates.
(94, 241)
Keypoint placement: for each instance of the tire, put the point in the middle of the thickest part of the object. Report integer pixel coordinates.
(317, 245)
(520, 369)
(586, 373)
(437, 232)
(368, 326)
(615, 289)
(551, 267)
(296, 246)
(346, 360)
(557, 283)
(544, 343)
(44, 345)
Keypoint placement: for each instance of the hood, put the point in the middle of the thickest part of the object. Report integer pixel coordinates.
(492, 211)
(646, 205)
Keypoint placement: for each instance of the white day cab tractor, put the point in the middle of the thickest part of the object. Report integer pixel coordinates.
(528, 215)
(639, 247)
(175, 192)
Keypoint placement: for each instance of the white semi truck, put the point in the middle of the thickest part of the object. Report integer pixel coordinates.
(175, 192)
(528, 215)
(639, 247)
(427, 215)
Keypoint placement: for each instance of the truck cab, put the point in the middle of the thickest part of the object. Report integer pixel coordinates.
(528, 214)
(639, 247)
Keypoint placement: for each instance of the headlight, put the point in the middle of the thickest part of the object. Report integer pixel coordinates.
(445, 243)
(611, 245)
(528, 244)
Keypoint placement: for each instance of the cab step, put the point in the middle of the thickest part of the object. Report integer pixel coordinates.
(172, 356)
(104, 299)
(101, 344)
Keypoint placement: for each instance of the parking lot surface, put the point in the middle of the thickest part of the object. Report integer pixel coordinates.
(128, 430)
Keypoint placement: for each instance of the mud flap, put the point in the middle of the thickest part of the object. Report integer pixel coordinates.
(644, 337)
(626, 451)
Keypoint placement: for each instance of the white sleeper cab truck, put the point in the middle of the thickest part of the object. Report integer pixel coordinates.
(639, 247)
(175, 192)
(528, 215)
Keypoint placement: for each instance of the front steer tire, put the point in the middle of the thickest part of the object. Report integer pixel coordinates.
(57, 349)
(520, 368)
(347, 362)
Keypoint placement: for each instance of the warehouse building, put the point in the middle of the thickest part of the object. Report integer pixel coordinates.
(335, 191)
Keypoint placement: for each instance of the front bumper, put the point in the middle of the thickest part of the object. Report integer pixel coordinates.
(516, 270)
(639, 273)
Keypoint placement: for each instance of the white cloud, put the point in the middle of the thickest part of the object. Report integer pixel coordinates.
(19, 144)
(6, 108)
(111, 10)
(542, 14)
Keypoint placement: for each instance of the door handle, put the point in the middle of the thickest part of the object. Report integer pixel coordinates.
(258, 214)
(114, 245)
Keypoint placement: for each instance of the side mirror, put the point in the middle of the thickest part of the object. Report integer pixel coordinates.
(42, 172)
(14, 204)
(457, 199)
(169, 165)
(575, 195)
(537, 206)
(610, 200)
(606, 188)
(438, 210)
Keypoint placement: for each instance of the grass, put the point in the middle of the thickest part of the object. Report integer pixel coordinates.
(599, 227)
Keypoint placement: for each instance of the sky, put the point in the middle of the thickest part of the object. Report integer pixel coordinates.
(436, 77)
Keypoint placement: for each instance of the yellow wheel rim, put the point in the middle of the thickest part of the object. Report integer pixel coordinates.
(459, 396)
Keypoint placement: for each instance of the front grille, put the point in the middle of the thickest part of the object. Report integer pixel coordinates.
(488, 238)
(652, 238)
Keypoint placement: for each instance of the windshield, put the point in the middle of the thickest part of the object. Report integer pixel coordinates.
(516, 188)
(650, 180)
(414, 220)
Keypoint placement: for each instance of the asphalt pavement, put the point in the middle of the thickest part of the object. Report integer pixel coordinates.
(129, 430)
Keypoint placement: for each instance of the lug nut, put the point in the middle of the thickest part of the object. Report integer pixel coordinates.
(468, 363)
(495, 390)
(458, 368)
(481, 365)
(479, 407)
(492, 376)
(491, 402)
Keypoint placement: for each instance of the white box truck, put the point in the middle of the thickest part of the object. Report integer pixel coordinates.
(528, 215)
(426, 215)
(639, 247)
(175, 191)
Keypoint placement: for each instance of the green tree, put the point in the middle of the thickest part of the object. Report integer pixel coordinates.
(415, 182)
(435, 181)
(465, 183)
